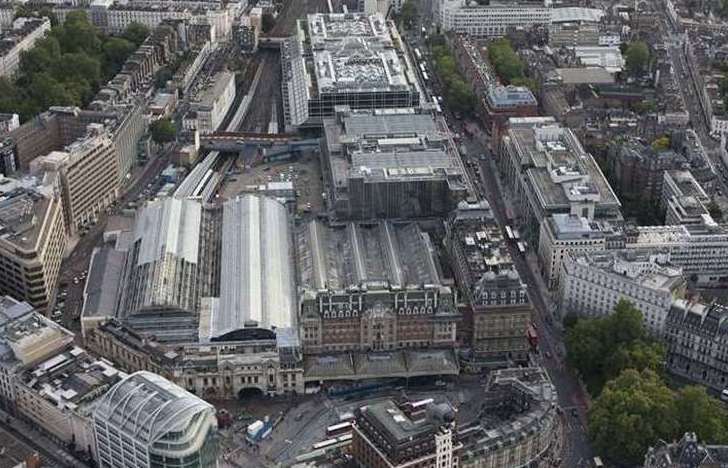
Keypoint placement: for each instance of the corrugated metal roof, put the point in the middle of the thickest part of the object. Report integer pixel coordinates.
(169, 226)
(256, 266)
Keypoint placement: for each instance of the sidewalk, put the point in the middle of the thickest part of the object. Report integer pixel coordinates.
(39, 441)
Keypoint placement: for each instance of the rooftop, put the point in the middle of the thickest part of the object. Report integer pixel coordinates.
(560, 170)
(399, 427)
(647, 268)
(373, 255)
(73, 380)
(504, 97)
(585, 75)
(574, 14)
(22, 27)
(24, 204)
(568, 226)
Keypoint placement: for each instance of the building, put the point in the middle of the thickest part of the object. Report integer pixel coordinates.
(88, 175)
(546, 167)
(696, 339)
(607, 57)
(58, 395)
(371, 286)
(254, 362)
(23, 35)
(592, 284)
(344, 59)
(167, 270)
(145, 420)
(386, 437)
(504, 102)
(575, 26)
(687, 452)
(390, 164)
(490, 19)
(638, 169)
(683, 199)
(500, 310)
(246, 32)
(8, 123)
(562, 234)
(26, 338)
(32, 239)
(209, 108)
(700, 250)
(519, 423)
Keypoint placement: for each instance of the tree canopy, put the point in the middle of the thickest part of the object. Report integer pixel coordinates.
(408, 13)
(136, 33)
(601, 348)
(163, 131)
(715, 211)
(505, 60)
(458, 93)
(637, 56)
(65, 68)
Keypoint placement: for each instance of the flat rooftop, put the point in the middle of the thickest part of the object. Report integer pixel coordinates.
(559, 168)
(646, 268)
(325, 28)
(23, 207)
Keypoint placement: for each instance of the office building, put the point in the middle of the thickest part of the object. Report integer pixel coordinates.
(371, 286)
(638, 169)
(683, 199)
(147, 421)
(208, 109)
(526, 431)
(700, 250)
(490, 19)
(58, 396)
(592, 284)
(562, 234)
(344, 59)
(575, 26)
(385, 436)
(390, 163)
(26, 338)
(547, 169)
(88, 176)
(32, 239)
(696, 337)
(501, 103)
(23, 35)
(500, 311)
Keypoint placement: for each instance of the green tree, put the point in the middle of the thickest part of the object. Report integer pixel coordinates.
(697, 412)
(601, 348)
(637, 57)
(408, 13)
(634, 411)
(507, 63)
(78, 34)
(136, 33)
(715, 210)
(268, 22)
(116, 51)
(460, 96)
(163, 131)
(162, 77)
(662, 143)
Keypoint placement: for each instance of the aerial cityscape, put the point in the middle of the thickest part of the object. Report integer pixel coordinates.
(363, 233)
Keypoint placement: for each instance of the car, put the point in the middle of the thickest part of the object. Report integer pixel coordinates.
(548, 355)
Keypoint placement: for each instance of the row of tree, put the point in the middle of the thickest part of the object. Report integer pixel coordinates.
(508, 65)
(634, 407)
(67, 67)
(459, 94)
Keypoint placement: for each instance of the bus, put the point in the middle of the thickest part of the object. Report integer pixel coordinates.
(425, 77)
(422, 67)
(437, 105)
(516, 234)
(521, 247)
(418, 55)
(509, 233)
(338, 429)
(324, 444)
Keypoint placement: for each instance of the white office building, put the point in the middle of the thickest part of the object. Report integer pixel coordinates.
(592, 284)
(146, 420)
(489, 19)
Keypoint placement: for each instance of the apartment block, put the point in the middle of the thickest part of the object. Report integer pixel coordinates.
(16, 40)
(696, 336)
